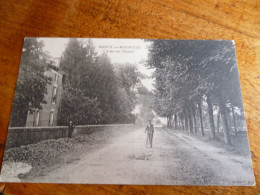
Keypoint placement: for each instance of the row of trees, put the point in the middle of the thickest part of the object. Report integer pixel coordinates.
(95, 91)
(192, 74)
(145, 105)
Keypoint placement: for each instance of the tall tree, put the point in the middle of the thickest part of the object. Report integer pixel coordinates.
(102, 84)
(201, 119)
(211, 117)
(194, 118)
(79, 65)
(129, 82)
(145, 104)
(219, 74)
(31, 83)
(218, 120)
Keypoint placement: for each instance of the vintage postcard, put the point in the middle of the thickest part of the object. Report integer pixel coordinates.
(128, 111)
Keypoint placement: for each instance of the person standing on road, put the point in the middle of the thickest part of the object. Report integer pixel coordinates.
(149, 130)
(71, 128)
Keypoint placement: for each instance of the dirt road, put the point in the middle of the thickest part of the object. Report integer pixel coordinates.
(175, 159)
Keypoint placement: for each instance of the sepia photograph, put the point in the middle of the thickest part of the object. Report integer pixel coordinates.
(128, 111)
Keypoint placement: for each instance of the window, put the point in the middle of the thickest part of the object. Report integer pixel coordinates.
(56, 77)
(51, 118)
(37, 118)
(54, 95)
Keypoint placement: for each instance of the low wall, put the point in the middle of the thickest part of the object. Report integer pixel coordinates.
(18, 136)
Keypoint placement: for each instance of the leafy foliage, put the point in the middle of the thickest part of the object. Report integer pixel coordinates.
(95, 91)
(187, 71)
(79, 108)
(31, 83)
(146, 105)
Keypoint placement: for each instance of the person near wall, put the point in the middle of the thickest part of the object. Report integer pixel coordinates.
(71, 128)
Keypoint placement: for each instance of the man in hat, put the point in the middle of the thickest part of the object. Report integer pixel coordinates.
(71, 128)
(149, 130)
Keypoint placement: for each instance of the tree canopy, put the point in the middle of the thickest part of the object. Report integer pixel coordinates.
(188, 71)
(31, 83)
(108, 89)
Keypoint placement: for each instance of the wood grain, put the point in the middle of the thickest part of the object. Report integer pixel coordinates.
(187, 19)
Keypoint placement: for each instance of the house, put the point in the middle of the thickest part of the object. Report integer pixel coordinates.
(48, 115)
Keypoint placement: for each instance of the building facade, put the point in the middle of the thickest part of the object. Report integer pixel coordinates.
(48, 115)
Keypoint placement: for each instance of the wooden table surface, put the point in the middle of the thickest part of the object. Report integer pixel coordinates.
(237, 20)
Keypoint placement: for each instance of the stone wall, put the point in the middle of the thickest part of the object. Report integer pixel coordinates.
(18, 136)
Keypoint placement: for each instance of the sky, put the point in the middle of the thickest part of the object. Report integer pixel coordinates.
(133, 51)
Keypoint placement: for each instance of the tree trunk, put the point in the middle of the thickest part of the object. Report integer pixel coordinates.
(190, 120)
(169, 122)
(186, 120)
(182, 123)
(218, 120)
(211, 118)
(201, 119)
(194, 118)
(179, 121)
(222, 108)
(175, 121)
(234, 118)
(228, 118)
